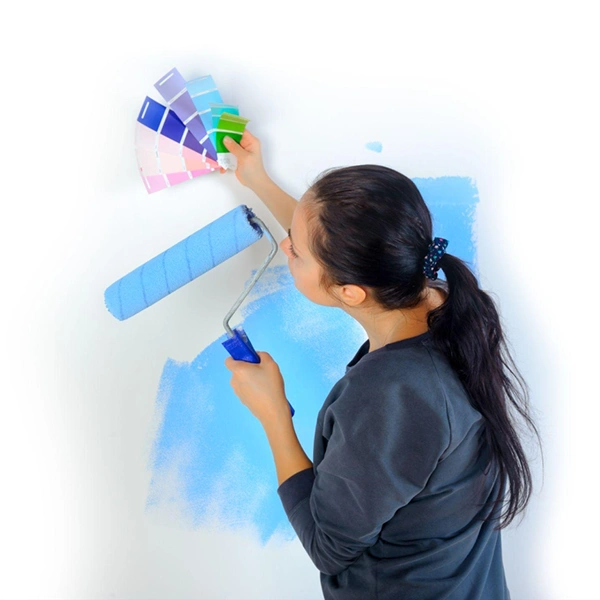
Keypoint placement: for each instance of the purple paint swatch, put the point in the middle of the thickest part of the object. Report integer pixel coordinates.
(152, 114)
(172, 87)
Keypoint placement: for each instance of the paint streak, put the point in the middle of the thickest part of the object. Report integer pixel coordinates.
(211, 463)
(375, 146)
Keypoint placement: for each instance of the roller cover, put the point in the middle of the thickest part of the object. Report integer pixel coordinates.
(190, 258)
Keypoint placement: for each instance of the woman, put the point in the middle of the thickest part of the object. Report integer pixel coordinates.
(415, 452)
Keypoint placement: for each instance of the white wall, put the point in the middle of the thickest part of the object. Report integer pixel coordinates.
(504, 94)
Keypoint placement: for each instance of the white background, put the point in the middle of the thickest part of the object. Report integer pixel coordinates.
(504, 93)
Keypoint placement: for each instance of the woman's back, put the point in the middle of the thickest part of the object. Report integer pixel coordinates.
(396, 509)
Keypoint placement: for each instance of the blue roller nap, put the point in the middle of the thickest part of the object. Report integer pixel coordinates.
(190, 258)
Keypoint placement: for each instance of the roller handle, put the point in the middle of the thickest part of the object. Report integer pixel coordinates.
(240, 348)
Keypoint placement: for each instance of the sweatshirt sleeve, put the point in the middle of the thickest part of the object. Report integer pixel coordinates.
(387, 436)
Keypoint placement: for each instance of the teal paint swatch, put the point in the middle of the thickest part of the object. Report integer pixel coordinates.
(211, 463)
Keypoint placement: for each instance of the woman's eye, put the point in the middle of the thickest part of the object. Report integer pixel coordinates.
(292, 251)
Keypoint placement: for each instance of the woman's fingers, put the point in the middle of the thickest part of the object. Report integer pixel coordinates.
(249, 142)
(233, 147)
(249, 169)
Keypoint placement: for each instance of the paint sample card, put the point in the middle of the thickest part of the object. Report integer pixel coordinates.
(216, 110)
(172, 87)
(148, 139)
(155, 183)
(203, 93)
(153, 163)
(165, 122)
(232, 126)
(165, 171)
(151, 145)
(166, 151)
(178, 142)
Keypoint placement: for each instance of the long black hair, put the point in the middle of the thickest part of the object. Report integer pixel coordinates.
(369, 225)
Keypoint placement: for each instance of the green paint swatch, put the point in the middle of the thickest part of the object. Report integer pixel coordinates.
(216, 110)
(231, 125)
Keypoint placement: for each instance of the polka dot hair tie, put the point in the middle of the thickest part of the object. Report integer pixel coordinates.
(436, 250)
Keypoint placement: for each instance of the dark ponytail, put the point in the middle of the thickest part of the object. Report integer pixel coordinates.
(466, 327)
(370, 226)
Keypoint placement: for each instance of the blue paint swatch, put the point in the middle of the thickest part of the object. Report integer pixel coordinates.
(375, 146)
(211, 462)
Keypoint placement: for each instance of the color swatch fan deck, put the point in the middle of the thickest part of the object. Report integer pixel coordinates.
(184, 139)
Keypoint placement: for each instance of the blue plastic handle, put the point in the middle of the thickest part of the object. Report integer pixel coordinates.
(241, 348)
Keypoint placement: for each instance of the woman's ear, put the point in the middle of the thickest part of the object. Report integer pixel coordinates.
(352, 295)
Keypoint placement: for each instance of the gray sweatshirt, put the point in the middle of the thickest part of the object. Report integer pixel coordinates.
(392, 508)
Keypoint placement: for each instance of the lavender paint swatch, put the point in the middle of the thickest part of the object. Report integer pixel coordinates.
(211, 463)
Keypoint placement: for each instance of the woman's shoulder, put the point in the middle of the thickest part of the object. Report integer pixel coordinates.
(414, 370)
(409, 354)
(402, 371)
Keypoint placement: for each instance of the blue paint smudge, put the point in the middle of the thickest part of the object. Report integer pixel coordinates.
(211, 462)
(375, 146)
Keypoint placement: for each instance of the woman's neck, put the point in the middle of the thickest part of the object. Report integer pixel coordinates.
(386, 327)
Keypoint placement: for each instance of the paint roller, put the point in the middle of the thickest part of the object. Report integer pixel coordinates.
(190, 258)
